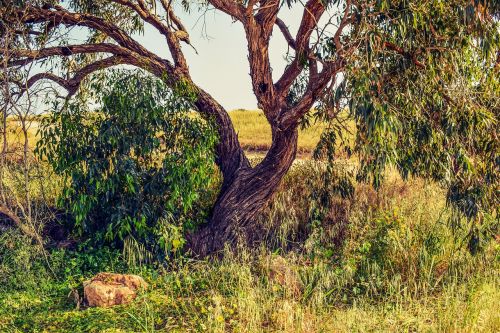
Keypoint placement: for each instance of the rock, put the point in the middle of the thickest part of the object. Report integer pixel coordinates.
(108, 289)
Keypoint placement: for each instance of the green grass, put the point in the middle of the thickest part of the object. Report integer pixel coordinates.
(399, 269)
(230, 296)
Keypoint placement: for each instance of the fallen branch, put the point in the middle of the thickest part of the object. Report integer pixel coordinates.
(17, 221)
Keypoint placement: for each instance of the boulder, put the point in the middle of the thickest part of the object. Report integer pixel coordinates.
(108, 289)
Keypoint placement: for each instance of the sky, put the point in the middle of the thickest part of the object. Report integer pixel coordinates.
(221, 65)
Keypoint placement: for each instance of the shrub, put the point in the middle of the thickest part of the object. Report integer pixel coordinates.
(138, 163)
(20, 264)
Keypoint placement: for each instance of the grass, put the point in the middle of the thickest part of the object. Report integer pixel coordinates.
(382, 261)
(398, 269)
(254, 132)
(230, 296)
(252, 127)
(14, 132)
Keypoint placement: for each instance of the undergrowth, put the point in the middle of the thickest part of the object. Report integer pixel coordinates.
(381, 261)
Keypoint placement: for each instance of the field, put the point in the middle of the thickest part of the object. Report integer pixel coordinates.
(382, 261)
(254, 132)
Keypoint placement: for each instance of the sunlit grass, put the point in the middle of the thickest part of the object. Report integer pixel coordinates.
(254, 132)
(15, 134)
(252, 127)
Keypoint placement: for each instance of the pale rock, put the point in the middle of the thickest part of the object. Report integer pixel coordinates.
(108, 289)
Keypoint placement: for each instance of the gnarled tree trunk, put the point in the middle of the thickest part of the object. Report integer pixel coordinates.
(243, 196)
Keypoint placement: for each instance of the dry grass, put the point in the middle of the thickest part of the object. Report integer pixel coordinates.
(251, 125)
(399, 268)
(254, 132)
(15, 135)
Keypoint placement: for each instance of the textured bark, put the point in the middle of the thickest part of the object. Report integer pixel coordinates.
(242, 198)
(229, 154)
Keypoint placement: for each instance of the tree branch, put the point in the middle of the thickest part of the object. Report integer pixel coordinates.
(347, 18)
(230, 7)
(286, 33)
(72, 85)
(404, 53)
(32, 55)
(317, 84)
(258, 30)
(171, 37)
(142, 11)
(17, 221)
(33, 14)
(313, 11)
(267, 14)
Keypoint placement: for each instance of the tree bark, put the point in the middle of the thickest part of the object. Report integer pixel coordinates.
(230, 157)
(243, 196)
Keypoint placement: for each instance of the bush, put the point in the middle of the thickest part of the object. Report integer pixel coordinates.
(25, 266)
(137, 161)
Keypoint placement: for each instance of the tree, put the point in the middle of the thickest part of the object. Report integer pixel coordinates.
(373, 47)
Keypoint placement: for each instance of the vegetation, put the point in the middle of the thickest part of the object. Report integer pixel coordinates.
(136, 169)
(400, 269)
(379, 58)
(398, 266)
(392, 225)
(255, 134)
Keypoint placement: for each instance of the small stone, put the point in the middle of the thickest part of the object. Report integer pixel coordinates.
(109, 289)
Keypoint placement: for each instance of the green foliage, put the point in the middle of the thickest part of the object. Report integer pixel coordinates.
(20, 267)
(423, 89)
(25, 266)
(138, 164)
(72, 267)
(400, 270)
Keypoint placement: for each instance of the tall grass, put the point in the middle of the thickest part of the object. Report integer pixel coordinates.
(398, 267)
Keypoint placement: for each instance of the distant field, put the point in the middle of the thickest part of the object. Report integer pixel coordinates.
(15, 134)
(254, 132)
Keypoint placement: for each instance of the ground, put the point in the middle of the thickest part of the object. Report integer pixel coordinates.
(395, 265)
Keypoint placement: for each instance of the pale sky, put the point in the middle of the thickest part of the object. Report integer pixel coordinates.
(221, 66)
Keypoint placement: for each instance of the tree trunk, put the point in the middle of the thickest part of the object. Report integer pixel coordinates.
(243, 196)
